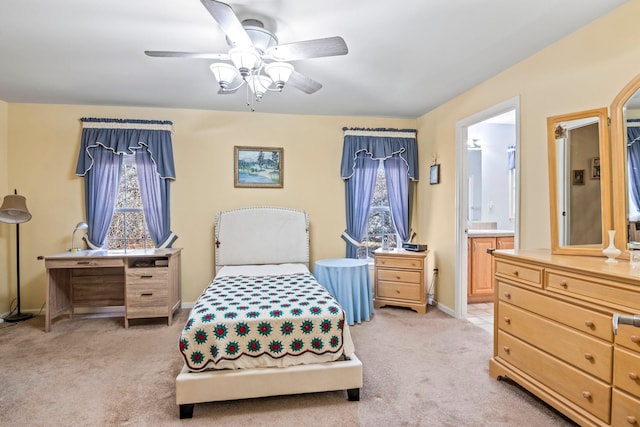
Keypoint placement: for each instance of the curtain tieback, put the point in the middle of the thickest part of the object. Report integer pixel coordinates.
(347, 238)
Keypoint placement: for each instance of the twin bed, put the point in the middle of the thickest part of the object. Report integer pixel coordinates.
(264, 326)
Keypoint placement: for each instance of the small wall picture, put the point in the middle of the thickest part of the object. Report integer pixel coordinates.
(594, 167)
(256, 167)
(578, 177)
(434, 175)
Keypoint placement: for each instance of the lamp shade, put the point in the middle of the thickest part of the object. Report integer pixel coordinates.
(279, 72)
(14, 209)
(225, 74)
(259, 84)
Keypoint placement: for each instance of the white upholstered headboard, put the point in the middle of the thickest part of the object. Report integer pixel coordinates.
(261, 235)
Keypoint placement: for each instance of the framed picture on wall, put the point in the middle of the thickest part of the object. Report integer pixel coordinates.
(578, 177)
(594, 167)
(256, 167)
(434, 175)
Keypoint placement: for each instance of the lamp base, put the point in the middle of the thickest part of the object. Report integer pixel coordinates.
(75, 250)
(18, 317)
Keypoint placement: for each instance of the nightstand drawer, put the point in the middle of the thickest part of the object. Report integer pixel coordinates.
(408, 276)
(529, 275)
(402, 291)
(399, 262)
(147, 275)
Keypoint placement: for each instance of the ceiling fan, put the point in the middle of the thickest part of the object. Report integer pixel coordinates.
(255, 56)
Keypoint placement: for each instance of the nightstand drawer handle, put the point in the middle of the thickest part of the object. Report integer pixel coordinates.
(146, 276)
(633, 376)
(635, 339)
(507, 295)
(588, 356)
(146, 294)
(586, 395)
(588, 324)
(507, 320)
(631, 420)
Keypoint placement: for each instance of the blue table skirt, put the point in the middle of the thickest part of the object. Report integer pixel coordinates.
(347, 279)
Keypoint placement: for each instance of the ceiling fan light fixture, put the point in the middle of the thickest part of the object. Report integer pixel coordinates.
(244, 60)
(224, 73)
(259, 84)
(279, 73)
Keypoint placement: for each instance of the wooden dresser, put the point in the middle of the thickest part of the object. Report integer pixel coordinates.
(553, 333)
(400, 279)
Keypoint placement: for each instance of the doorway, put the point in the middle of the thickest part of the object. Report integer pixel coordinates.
(487, 197)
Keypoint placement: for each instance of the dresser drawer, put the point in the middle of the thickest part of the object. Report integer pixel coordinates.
(399, 262)
(582, 389)
(84, 263)
(626, 371)
(580, 350)
(409, 276)
(625, 410)
(573, 286)
(527, 274)
(585, 320)
(628, 336)
(396, 290)
(147, 275)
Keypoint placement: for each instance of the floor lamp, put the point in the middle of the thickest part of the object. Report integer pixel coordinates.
(14, 211)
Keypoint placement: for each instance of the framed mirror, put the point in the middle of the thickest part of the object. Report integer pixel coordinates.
(625, 160)
(579, 177)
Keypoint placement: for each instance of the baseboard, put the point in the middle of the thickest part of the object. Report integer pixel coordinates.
(446, 309)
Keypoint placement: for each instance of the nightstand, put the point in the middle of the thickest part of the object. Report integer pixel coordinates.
(400, 279)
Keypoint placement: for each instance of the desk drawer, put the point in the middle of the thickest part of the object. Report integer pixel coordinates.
(587, 321)
(147, 275)
(526, 274)
(399, 262)
(147, 300)
(580, 350)
(401, 291)
(582, 389)
(626, 371)
(625, 410)
(408, 276)
(628, 336)
(84, 263)
(573, 286)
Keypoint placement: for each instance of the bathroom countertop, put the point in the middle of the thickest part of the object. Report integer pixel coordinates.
(489, 233)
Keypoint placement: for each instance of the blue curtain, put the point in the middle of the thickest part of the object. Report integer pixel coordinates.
(103, 142)
(633, 159)
(362, 149)
(395, 171)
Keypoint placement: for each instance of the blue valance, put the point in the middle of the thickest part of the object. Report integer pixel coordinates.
(379, 144)
(124, 136)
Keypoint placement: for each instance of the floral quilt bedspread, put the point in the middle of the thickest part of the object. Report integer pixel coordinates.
(262, 319)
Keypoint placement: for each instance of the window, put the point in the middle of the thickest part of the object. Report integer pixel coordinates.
(128, 229)
(379, 221)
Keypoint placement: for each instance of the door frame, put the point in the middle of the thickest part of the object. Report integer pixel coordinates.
(462, 200)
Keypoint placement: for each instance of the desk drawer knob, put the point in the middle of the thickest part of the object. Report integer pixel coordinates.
(589, 324)
(635, 339)
(633, 376)
(507, 320)
(146, 294)
(631, 420)
(588, 356)
(507, 295)
(586, 395)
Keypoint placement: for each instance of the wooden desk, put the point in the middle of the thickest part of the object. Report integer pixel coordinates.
(146, 283)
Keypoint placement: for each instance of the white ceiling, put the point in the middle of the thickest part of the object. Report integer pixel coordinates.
(405, 57)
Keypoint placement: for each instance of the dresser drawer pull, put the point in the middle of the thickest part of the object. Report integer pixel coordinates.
(146, 276)
(146, 294)
(633, 376)
(506, 349)
(586, 395)
(397, 291)
(507, 295)
(507, 320)
(635, 339)
(588, 356)
(516, 273)
(564, 284)
(631, 420)
(589, 324)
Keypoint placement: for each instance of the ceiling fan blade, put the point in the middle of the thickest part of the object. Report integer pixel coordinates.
(194, 55)
(229, 22)
(330, 46)
(303, 83)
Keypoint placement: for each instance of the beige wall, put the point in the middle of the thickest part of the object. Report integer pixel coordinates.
(44, 142)
(604, 56)
(583, 71)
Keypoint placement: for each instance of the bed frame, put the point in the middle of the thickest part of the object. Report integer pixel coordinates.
(264, 235)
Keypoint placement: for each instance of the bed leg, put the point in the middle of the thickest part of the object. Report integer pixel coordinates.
(353, 394)
(186, 410)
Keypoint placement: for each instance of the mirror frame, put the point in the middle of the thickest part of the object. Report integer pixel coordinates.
(619, 164)
(605, 179)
